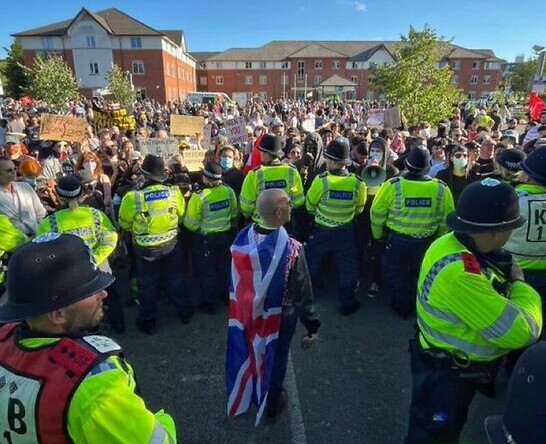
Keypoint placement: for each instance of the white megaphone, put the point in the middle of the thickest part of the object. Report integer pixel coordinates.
(373, 175)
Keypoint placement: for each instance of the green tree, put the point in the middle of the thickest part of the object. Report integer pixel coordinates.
(120, 86)
(53, 81)
(14, 73)
(522, 76)
(418, 82)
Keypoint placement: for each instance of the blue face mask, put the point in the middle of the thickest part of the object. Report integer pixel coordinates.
(226, 163)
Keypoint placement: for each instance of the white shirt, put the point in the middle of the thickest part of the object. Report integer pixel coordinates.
(22, 207)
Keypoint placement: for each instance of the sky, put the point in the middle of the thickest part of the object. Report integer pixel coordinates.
(504, 26)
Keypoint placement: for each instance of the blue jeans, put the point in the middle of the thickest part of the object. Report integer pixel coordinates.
(341, 243)
(160, 268)
(401, 265)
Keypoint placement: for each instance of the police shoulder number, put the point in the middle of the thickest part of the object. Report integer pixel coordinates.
(102, 344)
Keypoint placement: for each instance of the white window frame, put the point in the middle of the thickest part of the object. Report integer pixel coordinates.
(248, 65)
(474, 80)
(219, 80)
(471, 95)
(487, 80)
(317, 80)
(47, 42)
(91, 42)
(94, 68)
(136, 41)
(263, 65)
(249, 80)
(219, 65)
(263, 80)
(476, 64)
(336, 64)
(455, 79)
(140, 69)
(285, 65)
(300, 72)
(354, 65)
(318, 64)
(456, 64)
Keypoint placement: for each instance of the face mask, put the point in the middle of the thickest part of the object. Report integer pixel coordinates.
(460, 162)
(89, 167)
(425, 132)
(375, 155)
(226, 163)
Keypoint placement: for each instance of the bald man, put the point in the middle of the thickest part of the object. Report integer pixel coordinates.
(288, 291)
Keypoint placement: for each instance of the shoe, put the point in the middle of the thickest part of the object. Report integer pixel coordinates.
(274, 411)
(147, 326)
(185, 317)
(373, 290)
(208, 308)
(351, 308)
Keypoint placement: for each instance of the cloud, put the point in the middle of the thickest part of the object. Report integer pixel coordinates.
(359, 6)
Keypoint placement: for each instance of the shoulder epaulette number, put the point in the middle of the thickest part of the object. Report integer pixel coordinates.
(471, 263)
(323, 174)
(102, 344)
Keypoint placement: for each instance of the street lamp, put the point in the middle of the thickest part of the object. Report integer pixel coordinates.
(541, 53)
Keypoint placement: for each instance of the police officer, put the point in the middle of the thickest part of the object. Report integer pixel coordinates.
(153, 215)
(211, 212)
(94, 227)
(60, 383)
(10, 238)
(272, 173)
(528, 243)
(334, 199)
(473, 307)
(408, 212)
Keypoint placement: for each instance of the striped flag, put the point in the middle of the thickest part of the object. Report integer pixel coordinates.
(258, 278)
(255, 158)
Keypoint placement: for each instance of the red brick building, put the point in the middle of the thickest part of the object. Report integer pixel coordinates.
(299, 68)
(157, 61)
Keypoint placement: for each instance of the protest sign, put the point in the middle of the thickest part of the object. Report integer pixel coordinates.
(308, 125)
(235, 130)
(391, 118)
(165, 148)
(375, 117)
(68, 128)
(206, 142)
(186, 125)
(193, 159)
(110, 118)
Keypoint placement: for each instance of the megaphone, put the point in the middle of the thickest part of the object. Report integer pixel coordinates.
(373, 175)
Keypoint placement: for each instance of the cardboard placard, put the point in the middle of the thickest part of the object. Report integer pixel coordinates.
(193, 159)
(308, 125)
(375, 117)
(205, 141)
(186, 125)
(236, 131)
(68, 128)
(391, 118)
(119, 118)
(165, 148)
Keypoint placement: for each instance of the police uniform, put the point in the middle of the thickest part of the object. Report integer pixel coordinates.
(10, 238)
(334, 199)
(471, 311)
(273, 175)
(211, 212)
(153, 215)
(73, 388)
(409, 211)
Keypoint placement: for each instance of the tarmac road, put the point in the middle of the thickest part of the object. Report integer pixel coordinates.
(352, 387)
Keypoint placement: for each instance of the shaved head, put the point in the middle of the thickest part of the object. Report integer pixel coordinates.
(268, 204)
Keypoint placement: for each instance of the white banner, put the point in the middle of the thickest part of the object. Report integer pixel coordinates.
(165, 148)
(235, 130)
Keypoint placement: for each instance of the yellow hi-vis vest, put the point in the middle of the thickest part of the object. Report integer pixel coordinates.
(10, 238)
(152, 214)
(211, 210)
(281, 175)
(460, 311)
(412, 207)
(528, 243)
(335, 200)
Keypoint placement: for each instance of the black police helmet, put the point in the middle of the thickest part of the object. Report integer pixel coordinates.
(535, 165)
(418, 161)
(154, 168)
(338, 150)
(212, 171)
(271, 144)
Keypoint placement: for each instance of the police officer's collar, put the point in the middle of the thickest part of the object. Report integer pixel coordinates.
(339, 172)
(412, 176)
(23, 331)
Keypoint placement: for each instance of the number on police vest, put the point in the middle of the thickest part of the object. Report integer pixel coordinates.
(536, 221)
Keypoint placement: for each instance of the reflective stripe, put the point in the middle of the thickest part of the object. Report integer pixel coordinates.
(440, 199)
(138, 201)
(150, 240)
(159, 435)
(54, 223)
(96, 219)
(535, 329)
(104, 366)
(434, 271)
(502, 325)
(261, 180)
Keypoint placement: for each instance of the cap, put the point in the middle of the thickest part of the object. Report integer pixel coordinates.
(212, 171)
(486, 206)
(510, 159)
(535, 164)
(271, 144)
(418, 160)
(154, 167)
(69, 187)
(51, 272)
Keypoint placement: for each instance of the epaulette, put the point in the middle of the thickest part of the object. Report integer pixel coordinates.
(394, 179)
(323, 174)
(256, 168)
(198, 191)
(102, 344)
(291, 166)
(441, 181)
(471, 263)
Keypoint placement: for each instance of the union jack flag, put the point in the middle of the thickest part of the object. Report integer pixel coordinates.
(258, 276)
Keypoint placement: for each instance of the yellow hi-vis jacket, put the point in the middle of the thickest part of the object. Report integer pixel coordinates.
(10, 238)
(412, 207)
(471, 311)
(211, 210)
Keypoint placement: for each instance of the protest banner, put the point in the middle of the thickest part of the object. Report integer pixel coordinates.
(206, 142)
(391, 118)
(308, 125)
(165, 148)
(110, 118)
(68, 128)
(235, 130)
(375, 117)
(193, 159)
(186, 125)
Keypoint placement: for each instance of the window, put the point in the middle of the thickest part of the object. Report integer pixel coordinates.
(335, 64)
(47, 42)
(138, 67)
(90, 39)
(473, 80)
(471, 95)
(249, 80)
(317, 80)
(263, 65)
(369, 95)
(354, 79)
(355, 65)
(455, 79)
(219, 66)
(284, 79)
(285, 65)
(263, 80)
(456, 64)
(219, 80)
(248, 65)
(93, 68)
(202, 80)
(475, 65)
(136, 42)
(301, 71)
(373, 65)
(490, 65)
(318, 64)
(486, 80)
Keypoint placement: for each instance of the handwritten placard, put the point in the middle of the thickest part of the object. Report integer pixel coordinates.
(67, 128)
(186, 125)
(193, 159)
(110, 118)
(375, 117)
(235, 130)
(391, 118)
(165, 148)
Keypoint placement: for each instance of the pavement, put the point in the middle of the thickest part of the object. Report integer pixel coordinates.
(352, 387)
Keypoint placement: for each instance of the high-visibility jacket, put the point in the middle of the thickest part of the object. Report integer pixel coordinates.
(468, 310)
(90, 224)
(65, 390)
(281, 175)
(415, 208)
(335, 199)
(152, 214)
(10, 238)
(211, 210)
(528, 243)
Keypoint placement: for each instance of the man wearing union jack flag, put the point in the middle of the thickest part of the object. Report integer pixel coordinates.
(270, 289)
